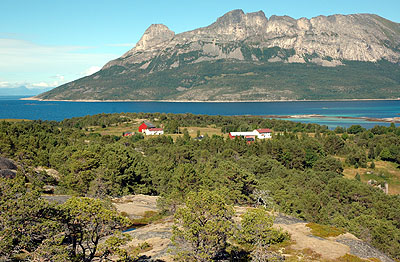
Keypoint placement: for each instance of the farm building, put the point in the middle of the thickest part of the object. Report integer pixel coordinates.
(128, 133)
(154, 131)
(263, 133)
(145, 125)
(259, 133)
(232, 135)
(250, 139)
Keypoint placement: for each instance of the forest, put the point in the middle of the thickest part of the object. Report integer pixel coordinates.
(300, 169)
(231, 80)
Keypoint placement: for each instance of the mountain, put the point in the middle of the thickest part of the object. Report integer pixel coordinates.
(251, 57)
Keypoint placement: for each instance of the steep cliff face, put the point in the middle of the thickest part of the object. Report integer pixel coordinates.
(149, 46)
(251, 40)
(360, 37)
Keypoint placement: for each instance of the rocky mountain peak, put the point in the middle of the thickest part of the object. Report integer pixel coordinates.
(239, 17)
(154, 35)
(232, 17)
(237, 25)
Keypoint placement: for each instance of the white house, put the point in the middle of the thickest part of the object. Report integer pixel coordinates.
(244, 134)
(259, 133)
(263, 133)
(153, 131)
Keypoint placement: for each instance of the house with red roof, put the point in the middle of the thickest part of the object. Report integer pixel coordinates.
(150, 129)
(262, 133)
(145, 125)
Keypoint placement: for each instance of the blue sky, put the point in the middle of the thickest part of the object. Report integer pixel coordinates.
(44, 43)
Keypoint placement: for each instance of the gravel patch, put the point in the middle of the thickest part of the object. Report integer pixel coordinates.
(149, 259)
(151, 234)
(316, 237)
(364, 250)
(287, 220)
(164, 252)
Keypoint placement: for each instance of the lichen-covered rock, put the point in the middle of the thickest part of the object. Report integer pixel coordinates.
(7, 173)
(6, 163)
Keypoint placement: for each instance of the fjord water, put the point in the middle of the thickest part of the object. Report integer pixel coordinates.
(13, 108)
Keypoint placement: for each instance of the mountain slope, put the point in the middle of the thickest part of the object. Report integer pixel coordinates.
(250, 57)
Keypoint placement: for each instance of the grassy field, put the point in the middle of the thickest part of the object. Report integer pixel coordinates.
(203, 130)
(118, 130)
(383, 171)
(14, 120)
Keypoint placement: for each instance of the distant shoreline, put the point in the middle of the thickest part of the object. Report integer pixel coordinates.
(207, 101)
(290, 117)
(309, 116)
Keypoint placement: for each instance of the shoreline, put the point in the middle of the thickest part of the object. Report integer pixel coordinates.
(208, 101)
(293, 117)
(310, 116)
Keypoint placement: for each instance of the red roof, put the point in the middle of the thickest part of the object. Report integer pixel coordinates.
(145, 125)
(264, 130)
(155, 129)
(142, 126)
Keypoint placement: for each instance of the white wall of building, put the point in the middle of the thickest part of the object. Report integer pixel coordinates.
(153, 133)
(252, 133)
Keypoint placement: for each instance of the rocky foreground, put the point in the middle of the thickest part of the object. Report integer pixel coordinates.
(305, 244)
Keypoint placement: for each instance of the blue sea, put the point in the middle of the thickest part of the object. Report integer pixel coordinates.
(12, 107)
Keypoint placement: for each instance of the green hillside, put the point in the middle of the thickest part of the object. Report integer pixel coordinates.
(237, 80)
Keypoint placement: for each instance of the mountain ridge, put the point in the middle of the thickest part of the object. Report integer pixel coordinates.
(262, 43)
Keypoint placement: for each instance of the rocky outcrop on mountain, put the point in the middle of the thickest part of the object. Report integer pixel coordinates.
(152, 41)
(164, 65)
(359, 37)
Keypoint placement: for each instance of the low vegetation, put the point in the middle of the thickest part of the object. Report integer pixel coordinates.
(324, 230)
(352, 258)
(148, 217)
(382, 171)
(205, 230)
